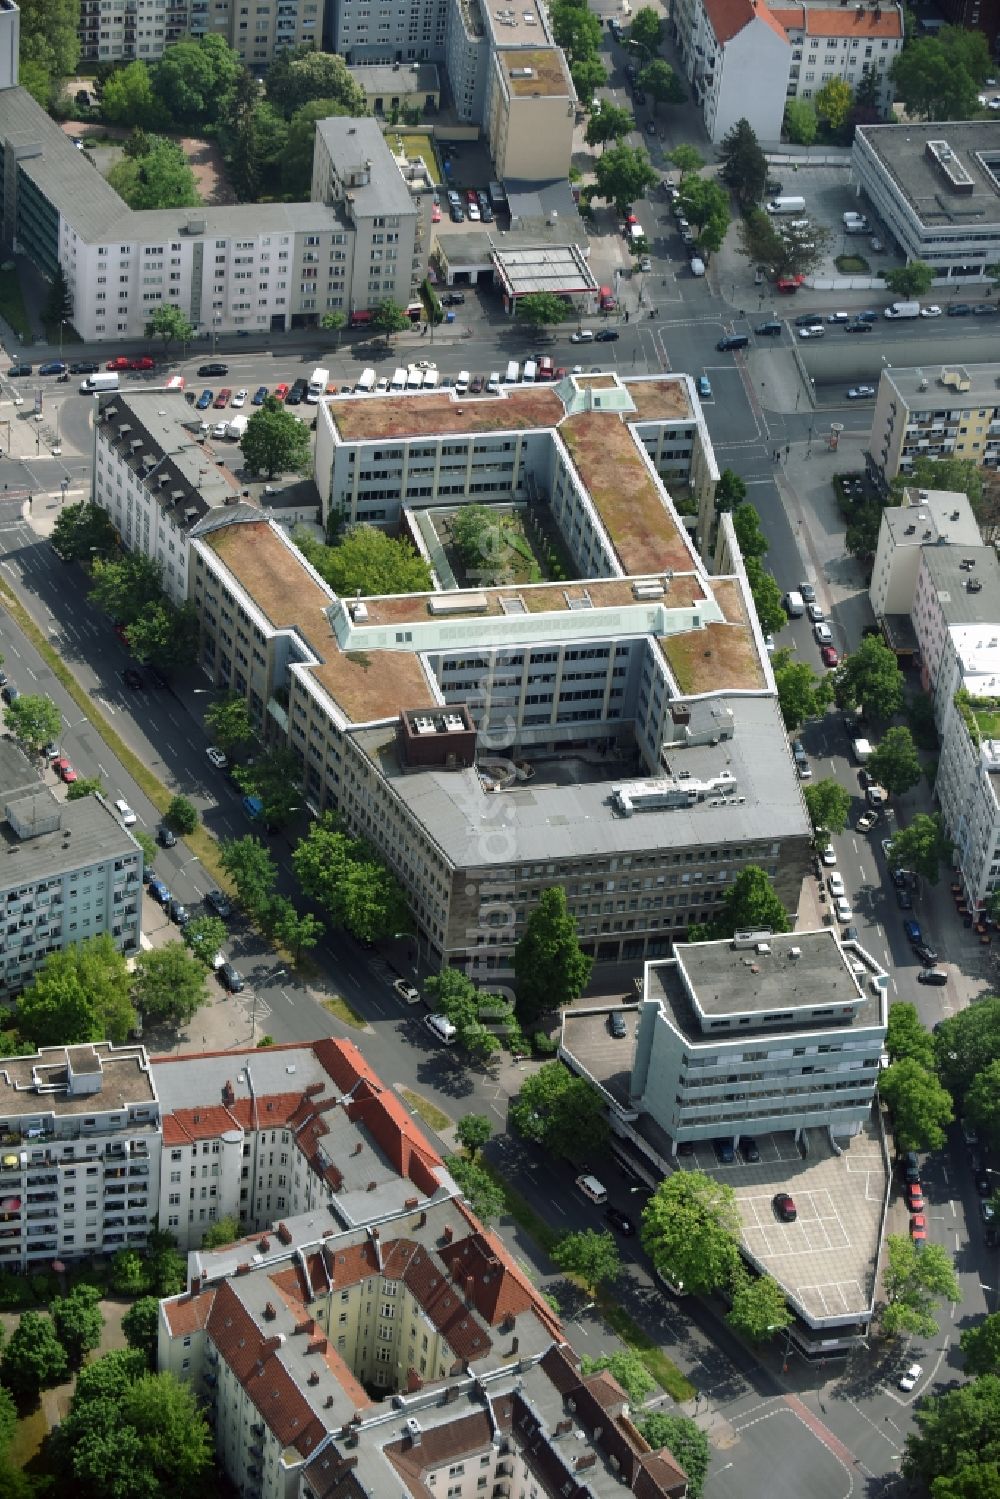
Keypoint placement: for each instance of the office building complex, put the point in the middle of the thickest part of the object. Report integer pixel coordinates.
(936, 187)
(944, 411)
(790, 53)
(68, 871)
(79, 1153)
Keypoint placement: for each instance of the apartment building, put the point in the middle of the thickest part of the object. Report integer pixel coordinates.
(937, 190)
(249, 267)
(530, 112)
(284, 1131)
(363, 33)
(69, 871)
(968, 785)
(955, 602)
(790, 52)
(129, 30)
(926, 518)
(79, 1153)
(945, 411)
(638, 698)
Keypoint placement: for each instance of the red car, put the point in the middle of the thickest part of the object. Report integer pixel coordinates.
(141, 362)
(436, 213)
(915, 1197)
(222, 399)
(918, 1228)
(829, 656)
(280, 392)
(472, 196)
(120, 362)
(64, 770)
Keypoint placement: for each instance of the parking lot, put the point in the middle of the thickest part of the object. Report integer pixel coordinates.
(829, 195)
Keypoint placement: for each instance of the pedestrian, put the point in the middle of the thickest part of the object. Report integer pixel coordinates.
(626, 314)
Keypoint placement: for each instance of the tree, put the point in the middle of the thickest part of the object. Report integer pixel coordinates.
(766, 596)
(166, 1270)
(229, 722)
(49, 35)
(389, 318)
(170, 324)
(685, 1441)
(33, 719)
(333, 322)
(788, 253)
(628, 1368)
(833, 104)
(34, 1358)
(181, 814)
(957, 1437)
(275, 779)
(165, 635)
(687, 159)
(592, 1257)
(861, 537)
(473, 1131)
(828, 804)
(455, 996)
(749, 532)
(125, 587)
(127, 98)
(907, 1038)
(160, 179)
(563, 1112)
(296, 931)
(608, 122)
(910, 281)
(81, 530)
(194, 78)
(743, 165)
(59, 303)
(690, 1229)
(895, 763)
(297, 79)
(706, 205)
(730, 491)
(141, 1326)
(8, 1420)
(920, 1107)
(347, 877)
(622, 174)
(982, 1103)
(128, 1273)
(661, 83)
(870, 678)
(758, 1306)
(802, 695)
(801, 124)
(85, 786)
(296, 157)
(79, 994)
(274, 442)
(77, 1321)
(981, 1346)
(36, 80)
(967, 1043)
(168, 983)
(220, 1233)
(937, 78)
(576, 30)
(539, 309)
(550, 967)
(204, 935)
(369, 559)
(750, 905)
(588, 76)
(480, 1191)
(915, 1280)
(646, 30)
(147, 1440)
(921, 846)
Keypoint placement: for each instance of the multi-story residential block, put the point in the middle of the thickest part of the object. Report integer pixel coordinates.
(955, 613)
(246, 267)
(410, 32)
(383, 1341)
(927, 517)
(530, 109)
(968, 786)
(79, 1153)
(937, 190)
(70, 871)
(126, 30)
(391, 87)
(849, 43)
(947, 411)
(626, 742)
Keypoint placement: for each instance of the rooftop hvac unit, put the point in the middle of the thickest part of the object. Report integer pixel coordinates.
(359, 612)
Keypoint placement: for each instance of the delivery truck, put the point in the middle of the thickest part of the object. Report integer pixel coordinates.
(862, 750)
(236, 429)
(786, 205)
(104, 380)
(318, 381)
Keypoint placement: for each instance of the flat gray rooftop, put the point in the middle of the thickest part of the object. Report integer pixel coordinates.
(125, 1081)
(801, 970)
(554, 268)
(385, 78)
(606, 1058)
(927, 186)
(967, 595)
(983, 386)
(353, 143)
(943, 514)
(88, 833)
(549, 822)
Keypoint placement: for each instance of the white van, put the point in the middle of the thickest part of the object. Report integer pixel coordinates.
(462, 382)
(513, 373)
(398, 381)
(493, 383)
(529, 372)
(786, 205)
(441, 1029)
(366, 380)
(592, 1188)
(794, 604)
(414, 378)
(432, 379)
(318, 381)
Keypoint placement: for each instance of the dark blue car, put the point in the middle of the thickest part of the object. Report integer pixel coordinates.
(159, 891)
(54, 367)
(259, 396)
(913, 932)
(204, 400)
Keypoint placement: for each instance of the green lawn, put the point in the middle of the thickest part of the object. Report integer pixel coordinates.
(12, 304)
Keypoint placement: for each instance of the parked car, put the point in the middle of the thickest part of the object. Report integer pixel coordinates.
(866, 821)
(204, 400)
(704, 386)
(280, 392)
(918, 1228)
(133, 679)
(582, 336)
(64, 770)
(926, 953)
(913, 932)
(981, 1182)
(159, 891)
(18, 371)
(606, 336)
(222, 399)
(858, 326)
(454, 299)
(178, 911)
(784, 1205)
(724, 1152)
(230, 978)
(823, 634)
(960, 309)
(909, 1165)
(842, 906)
(165, 837)
(84, 367)
(128, 817)
(915, 1197)
(616, 1025)
(909, 1378)
(141, 362)
(748, 1149)
(259, 396)
(218, 903)
(477, 385)
(828, 655)
(240, 399)
(52, 367)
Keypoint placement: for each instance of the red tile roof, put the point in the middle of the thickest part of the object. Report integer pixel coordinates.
(819, 21)
(187, 1314)
(499, 1287)
(729, 17)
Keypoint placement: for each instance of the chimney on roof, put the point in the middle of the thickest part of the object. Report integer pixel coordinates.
(586, 1460)
(264, 1244)
(228, 1096)
(563, 1426)
(195, 1284)
(371, 1186)
(244, 1269)
(374, 1233)
(448, 1233)
(327, 1402)
(269, 1311)
(357, 1149)
(314, 1377)
(515, 1344)
(422, 1220)
(306, 1325)
(411, 1203)
(316, 1345)
(413, 1382)
(284, 1233)
(470, 1289)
